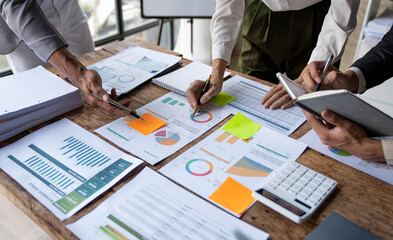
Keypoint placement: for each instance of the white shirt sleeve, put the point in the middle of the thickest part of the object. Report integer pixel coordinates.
(225, 26)
(387, 146)
(339, 23)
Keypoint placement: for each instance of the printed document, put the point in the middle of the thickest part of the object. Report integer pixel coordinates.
(181, 128)
(204, 167)
(64, 166)
(249, 95)
(152, 207)
(379, 170)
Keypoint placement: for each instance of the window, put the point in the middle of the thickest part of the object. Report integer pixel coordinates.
(114, 20)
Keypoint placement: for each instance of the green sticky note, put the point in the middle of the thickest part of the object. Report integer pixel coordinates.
(222, 98)
(241, 127)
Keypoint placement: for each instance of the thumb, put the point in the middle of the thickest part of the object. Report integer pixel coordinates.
(100, 92)
(209, 94)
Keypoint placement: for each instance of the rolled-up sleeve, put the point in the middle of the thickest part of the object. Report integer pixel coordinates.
(225, 26)
(387, 146)
(26, 19)
(339, 23)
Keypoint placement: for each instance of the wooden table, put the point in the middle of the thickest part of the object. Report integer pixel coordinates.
(365, 200)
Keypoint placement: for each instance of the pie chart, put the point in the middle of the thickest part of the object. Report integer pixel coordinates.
(339, 152)
(167, 138)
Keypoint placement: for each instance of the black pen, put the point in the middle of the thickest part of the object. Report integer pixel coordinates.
(327, 65)
(118, 105)
(204, 90)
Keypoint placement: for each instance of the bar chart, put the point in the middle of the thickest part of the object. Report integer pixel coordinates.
(83, 153)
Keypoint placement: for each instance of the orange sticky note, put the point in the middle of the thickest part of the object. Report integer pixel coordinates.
(233, 196)
(148, 125)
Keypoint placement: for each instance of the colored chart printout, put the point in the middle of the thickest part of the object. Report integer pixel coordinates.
(249, 95)
(178, 132)
(204, 167)
(378, 170)
(152, 207)
(65, 166)
(132, 67)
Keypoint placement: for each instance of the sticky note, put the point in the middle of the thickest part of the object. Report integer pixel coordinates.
(241, 127)
(233, 196)
(222, 99)
(148, 125)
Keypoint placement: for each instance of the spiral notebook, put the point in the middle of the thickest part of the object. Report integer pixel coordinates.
(178, 81)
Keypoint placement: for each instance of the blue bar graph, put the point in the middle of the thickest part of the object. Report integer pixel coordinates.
(82, 153)
(49, 172)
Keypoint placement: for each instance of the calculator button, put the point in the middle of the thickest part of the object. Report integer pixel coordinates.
(293, 191)
(294, 165)
(279, 178)
(307, 177)
(312, 173)
(272, 185)
(325, 186)
(291, 168)
(302, 196)
(311, 187)
(320, 177)
(307, 191)
(275, 181)
(302, 181)
(297, 186)
(315, 197)
(329, 181)
(300, 171)
(320, 191)
(292, 178)
(316, 181)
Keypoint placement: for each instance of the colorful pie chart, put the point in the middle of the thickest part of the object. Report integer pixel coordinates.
(339, 152)
(202, 117)
(167, 138)
(199, 167)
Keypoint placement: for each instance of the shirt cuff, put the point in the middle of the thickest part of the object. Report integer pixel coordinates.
(362, 80)
(222, 52)
(318, 55)
(387, 147)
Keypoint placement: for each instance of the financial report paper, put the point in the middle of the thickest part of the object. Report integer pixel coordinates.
(152, 207)
(379, 170)
(249, 95)
(181, 128)
(132, 67)
(64, 166)
(204, 167)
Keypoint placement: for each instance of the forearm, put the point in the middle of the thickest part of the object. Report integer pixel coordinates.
(67, 63)
(219, 66)
(370, 150)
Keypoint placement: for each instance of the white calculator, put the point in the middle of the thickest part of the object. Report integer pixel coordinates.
(296, 192)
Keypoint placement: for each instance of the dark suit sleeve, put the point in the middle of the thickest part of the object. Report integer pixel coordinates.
(377, 64)
(27, 21)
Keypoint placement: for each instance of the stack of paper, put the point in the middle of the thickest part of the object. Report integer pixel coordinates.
(32, 97)
(377, 28)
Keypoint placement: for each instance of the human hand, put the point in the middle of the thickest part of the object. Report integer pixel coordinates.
(334, 79)
(88, 81)
(278, 97)
(346, 136)
(215, 85)
(195, 89)
(90, 84)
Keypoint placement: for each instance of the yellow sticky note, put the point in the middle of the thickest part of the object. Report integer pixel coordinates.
(233, 196)
(222, 99)
(148, 125)
(241, 127)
